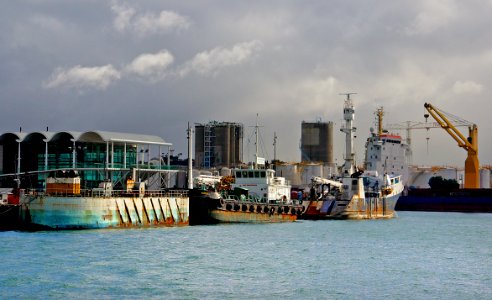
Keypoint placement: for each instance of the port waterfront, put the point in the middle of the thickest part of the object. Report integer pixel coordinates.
(419, 255)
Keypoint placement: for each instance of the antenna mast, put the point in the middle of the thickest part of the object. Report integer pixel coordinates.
(256, 141)
(274, 146)
(348, 129)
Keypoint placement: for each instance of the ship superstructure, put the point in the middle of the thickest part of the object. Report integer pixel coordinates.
(386, 153)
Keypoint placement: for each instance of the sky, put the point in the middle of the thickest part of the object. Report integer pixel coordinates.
(152, 67)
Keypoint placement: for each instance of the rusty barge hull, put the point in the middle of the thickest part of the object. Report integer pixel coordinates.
(224, 216)
(249, 212)
(79, 212)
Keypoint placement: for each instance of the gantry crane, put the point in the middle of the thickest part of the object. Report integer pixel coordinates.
(411, 125)
(449, 123)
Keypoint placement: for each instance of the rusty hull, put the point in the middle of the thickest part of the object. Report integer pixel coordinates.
(256, 215)
(79, 212)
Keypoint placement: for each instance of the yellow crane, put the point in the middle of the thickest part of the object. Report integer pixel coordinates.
(449, 123)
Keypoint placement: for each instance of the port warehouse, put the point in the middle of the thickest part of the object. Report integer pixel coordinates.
(94, 154)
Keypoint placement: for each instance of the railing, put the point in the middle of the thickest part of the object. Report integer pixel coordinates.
(114, 193)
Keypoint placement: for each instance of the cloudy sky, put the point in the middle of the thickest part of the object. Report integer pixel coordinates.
(151, 67)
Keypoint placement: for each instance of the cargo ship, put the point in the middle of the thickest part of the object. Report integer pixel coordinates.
(357, 194)
(445, 200)
(445, 193)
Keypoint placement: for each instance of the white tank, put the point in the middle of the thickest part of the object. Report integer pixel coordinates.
(329, 171)
(289, 172)
(419, 177)
(485, 178)
(310, 171)
(448, 173)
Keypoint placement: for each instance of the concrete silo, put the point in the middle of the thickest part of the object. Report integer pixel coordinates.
(218, 144)
(317, 142)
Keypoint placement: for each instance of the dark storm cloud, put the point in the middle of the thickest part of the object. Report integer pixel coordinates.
(150, 67)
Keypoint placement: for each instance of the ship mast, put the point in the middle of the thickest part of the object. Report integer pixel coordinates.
(348, 129)
(256, 142)
(380, 114)
(274, 146)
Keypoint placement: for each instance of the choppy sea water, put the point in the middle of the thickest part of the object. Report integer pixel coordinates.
(419, 255)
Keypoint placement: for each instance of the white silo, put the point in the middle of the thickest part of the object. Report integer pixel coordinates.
(485, 179)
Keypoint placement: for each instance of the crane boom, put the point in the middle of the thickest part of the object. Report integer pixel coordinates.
(449, 123)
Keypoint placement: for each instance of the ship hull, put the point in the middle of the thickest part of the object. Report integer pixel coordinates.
(210, 210)
(464, 200)
(224, 216)
(357, 209)
(78, 212)
(9, 217)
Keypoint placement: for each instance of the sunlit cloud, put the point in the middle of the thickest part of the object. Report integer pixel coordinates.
(152, 66)
(210, 62)
(433, 16)
(467, 87)
(127, 19)
(83, 77)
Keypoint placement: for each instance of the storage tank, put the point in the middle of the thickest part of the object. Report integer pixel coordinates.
(309, 171)
(317, 142)
(329, 170)
(218, 144)
(290, 172)
(485, 179)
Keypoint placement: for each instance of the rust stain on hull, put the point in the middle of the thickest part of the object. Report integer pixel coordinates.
(78, 212)
(256, 213)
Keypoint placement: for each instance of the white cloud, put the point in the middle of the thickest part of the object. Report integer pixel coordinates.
(467, 87)
(153, 66)
(165, 21)
(127, 19)
(318, 91)
(210, 62)
(435, 14)
(124, 14)
(84, 77)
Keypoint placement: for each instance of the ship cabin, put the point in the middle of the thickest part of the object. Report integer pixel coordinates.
(390, 138)
(264, 176)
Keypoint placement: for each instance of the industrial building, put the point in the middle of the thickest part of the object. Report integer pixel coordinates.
(96, 156)
(317, 142)
(218, 144)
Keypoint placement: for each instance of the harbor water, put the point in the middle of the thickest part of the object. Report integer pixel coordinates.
(419, 255)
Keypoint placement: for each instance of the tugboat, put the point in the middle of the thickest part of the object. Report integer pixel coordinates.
(256, 196)
(253, 195)
(355, 194)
